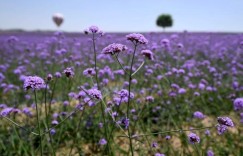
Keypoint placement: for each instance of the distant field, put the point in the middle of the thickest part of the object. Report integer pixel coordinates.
(193, 79)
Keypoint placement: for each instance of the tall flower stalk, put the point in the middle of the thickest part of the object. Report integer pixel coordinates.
(94, 30)
(115, 49)
(136, 39)
(129, 94)
(95, 59)
(35, 83)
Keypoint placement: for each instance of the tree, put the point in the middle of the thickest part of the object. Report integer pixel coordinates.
(164, 20)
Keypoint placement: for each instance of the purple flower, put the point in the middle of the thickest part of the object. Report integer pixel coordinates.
(221, 129)
(159, 154)
(196, 94)
(148, 54)
(54, 122)
(27, 111)
(89, 72)
(182, 91)
(225, 121)
(52, 131)
(114, 48)
(149, 99)
(6, 111)
(3, 105)
(123, 93)
(193, 138)
(238, 104)
(210, 153)
(58, 74)
(65, 103)
(198, 115)
(137, 38)
(95, 93)
(167, 137)
(16, 110)
(68, 72)
(175, 86)
(102, 141)
(49, 77)
(34, 83)
(94, 30)
(100, 125)
(207, 132)
(154, 144)
(55, 115)
(124, 122)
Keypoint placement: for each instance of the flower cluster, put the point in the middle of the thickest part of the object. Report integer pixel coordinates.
(193, 138)
(137, 38)
(94, 30)
(124, 94)
(224, 123)
(68, 72)
(198, 115)
(6, 111)
(102, 141)
(148, 54)
(89, 72)
(34, 83)
(114, 48)
(238, 104)
(95, 93)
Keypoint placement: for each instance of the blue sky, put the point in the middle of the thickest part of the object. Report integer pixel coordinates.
(123, 15)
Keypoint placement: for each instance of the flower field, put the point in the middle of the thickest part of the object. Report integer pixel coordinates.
(96, 93)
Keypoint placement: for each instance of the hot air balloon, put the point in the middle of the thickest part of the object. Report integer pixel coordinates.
(58, 19)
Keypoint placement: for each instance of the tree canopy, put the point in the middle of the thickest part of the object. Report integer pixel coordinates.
(164, 20)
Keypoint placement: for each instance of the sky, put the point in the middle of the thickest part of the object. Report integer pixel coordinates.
(123, 15)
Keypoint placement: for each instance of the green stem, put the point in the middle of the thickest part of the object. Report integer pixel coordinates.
(20, 126)
(129, 98)
(75, 140)
(138, 68)
(37, 116)
(179, 130)
(106, 132)
(197, 149)
(47, 126)
(52, 95)
(95, 59)
(116, 56)
(113, 126)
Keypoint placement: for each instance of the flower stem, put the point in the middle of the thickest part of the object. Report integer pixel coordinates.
(20, 126)
(197, 149)
(95, 59)
(37, 116)
(77, 131)
(164, 132)
(129, 98)
(47, 119)
(138, 68)
(116, 56)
